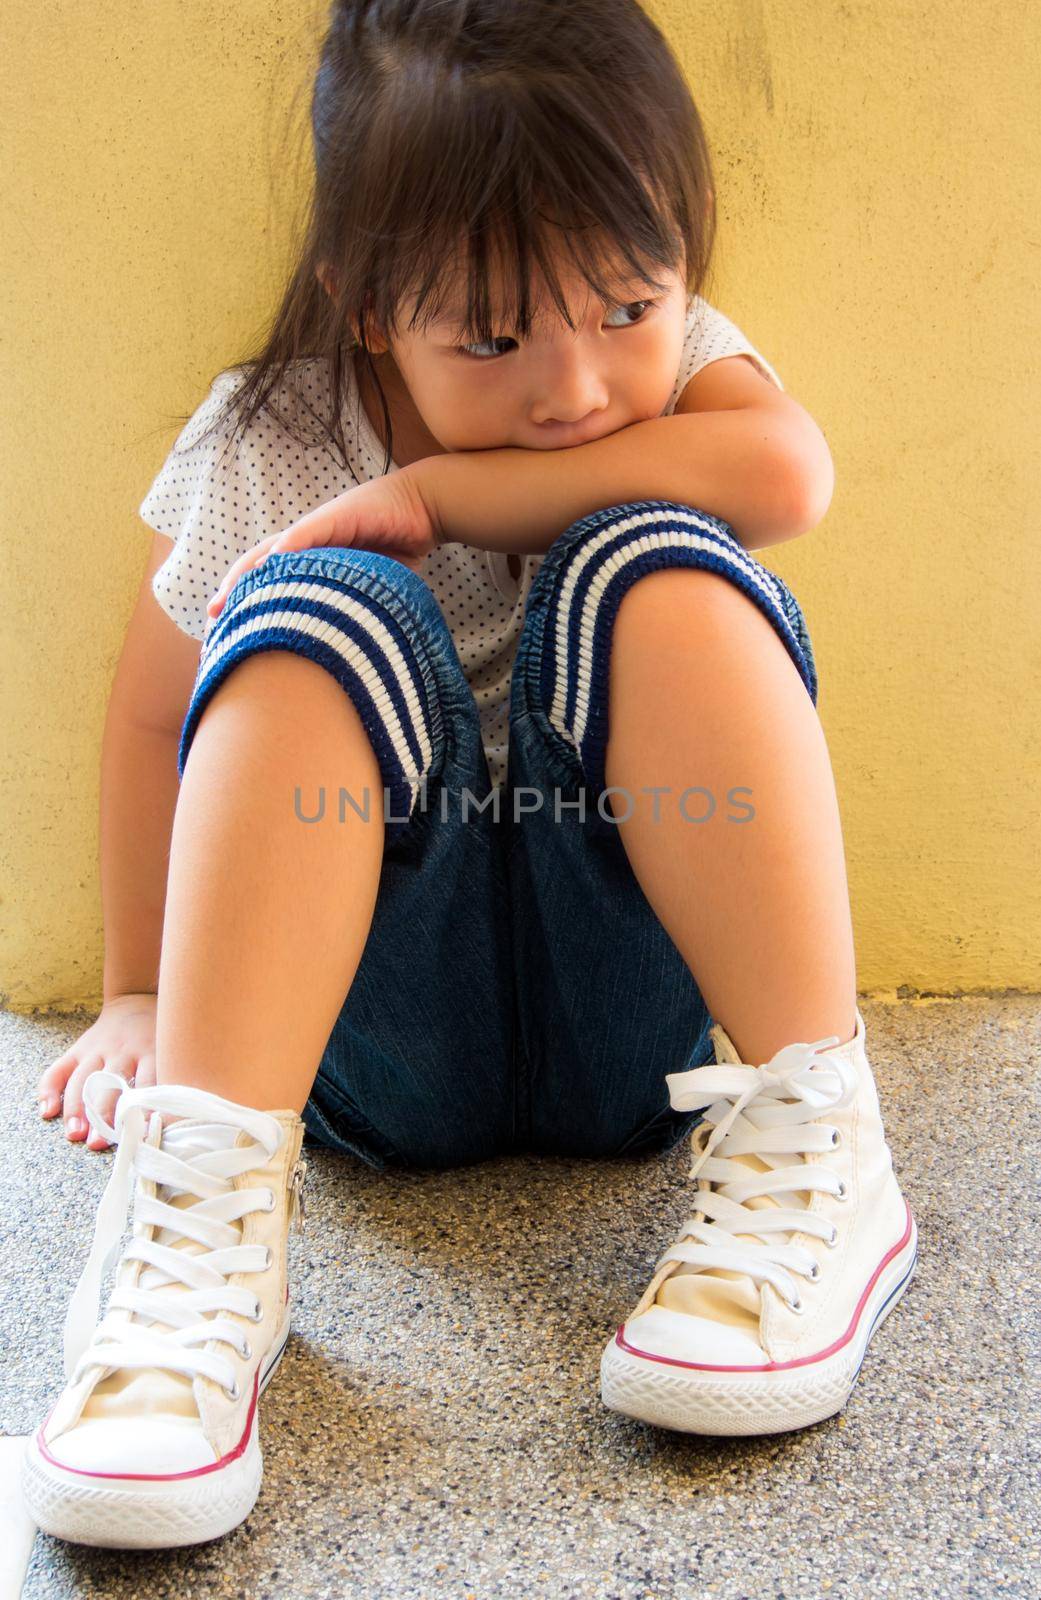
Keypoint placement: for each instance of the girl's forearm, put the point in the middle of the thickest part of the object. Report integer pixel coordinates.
(749, 467)
(139, 789)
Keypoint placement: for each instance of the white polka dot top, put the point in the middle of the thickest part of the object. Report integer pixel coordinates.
(216, 504)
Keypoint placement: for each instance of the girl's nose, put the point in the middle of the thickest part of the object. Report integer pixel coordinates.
(559, 417)
(575, 395)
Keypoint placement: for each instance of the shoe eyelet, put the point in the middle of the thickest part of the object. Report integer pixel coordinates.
(257, 1314)
(272, 1200)
(836, 1138)
(270, 1258)
(814, 1272)
(833, 1241)
(841, 1193)
(797, 1306)
(235, 1392)
(247, 1350)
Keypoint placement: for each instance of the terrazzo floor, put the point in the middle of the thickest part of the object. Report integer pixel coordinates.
(435, 1429)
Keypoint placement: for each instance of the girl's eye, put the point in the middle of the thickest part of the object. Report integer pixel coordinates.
(475, 349)
(633, 305)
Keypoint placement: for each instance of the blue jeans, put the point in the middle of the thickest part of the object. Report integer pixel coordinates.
(516, 991)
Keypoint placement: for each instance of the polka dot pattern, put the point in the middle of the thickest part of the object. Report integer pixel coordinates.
(215, 503)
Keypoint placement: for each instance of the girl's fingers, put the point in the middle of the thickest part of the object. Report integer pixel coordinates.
(72, 1108)
(229, 580)
(122, 1064)
(295, 538)
(144, 1077)
(51, 1085)
(216, 602)
(291, 541)
(60, 1089)
(139, 1074)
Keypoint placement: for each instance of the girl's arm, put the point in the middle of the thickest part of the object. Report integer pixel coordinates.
(138, 797)
(736, 446)
(139, 785)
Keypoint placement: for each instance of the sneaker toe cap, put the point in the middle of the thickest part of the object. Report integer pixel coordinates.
(681, 1336)
(151, 1447)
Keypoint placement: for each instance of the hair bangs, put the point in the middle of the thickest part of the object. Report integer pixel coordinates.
(477, 234)
(476, 161)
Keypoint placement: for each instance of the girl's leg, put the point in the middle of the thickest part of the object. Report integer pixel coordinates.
(303, 962)
(656, 662)
(267, 951)
(153, 1442)
(758, 908)
(264, 910)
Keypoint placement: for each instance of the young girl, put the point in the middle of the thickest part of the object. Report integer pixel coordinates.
(508, 822)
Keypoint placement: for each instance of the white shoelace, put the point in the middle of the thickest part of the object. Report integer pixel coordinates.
(767, 1112)
(182, 1321)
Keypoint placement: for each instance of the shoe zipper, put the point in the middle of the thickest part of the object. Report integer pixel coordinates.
(297, 1209)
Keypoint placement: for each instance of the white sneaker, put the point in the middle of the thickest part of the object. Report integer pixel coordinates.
(154, 1440)
(758, 1317)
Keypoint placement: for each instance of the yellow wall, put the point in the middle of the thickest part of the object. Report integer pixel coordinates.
(878, 176)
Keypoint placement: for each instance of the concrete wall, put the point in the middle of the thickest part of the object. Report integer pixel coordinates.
(878, 172)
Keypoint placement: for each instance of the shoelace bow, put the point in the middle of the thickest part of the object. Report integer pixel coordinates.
(192, 1316)
(763, 1111)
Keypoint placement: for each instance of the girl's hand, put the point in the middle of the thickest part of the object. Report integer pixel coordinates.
(393, 515)
(123, 1040)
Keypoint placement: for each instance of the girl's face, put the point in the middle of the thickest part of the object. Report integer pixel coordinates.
(557, 388)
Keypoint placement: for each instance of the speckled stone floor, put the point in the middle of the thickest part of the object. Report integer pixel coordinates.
(436, 1430)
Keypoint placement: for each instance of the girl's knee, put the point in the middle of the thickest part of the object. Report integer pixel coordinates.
(600, 560)
(679, 581)
(354, 614)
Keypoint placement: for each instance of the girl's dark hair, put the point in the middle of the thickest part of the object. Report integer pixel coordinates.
(451, 134)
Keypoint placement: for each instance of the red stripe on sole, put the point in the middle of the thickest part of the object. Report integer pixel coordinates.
(160, 1477)
(799, 1361)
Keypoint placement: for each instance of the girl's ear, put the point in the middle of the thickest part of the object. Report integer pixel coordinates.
(326, 276)
(374, 336)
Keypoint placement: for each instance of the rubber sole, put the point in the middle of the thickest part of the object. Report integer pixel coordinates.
(148, 1514)
(731, 1405)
